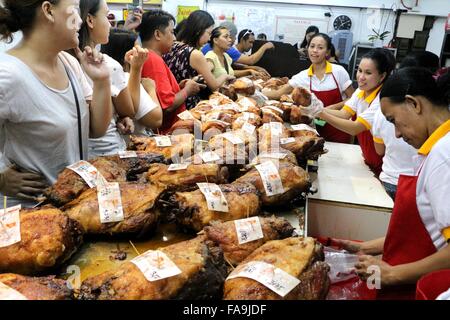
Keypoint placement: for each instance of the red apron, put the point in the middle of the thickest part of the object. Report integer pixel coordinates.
(371, 157)
(407, 239)
(330, 97)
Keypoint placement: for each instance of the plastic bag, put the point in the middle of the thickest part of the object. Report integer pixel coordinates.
(342, 264)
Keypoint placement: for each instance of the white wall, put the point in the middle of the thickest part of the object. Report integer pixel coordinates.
(362, 18)
(436, 38)
(6, 46)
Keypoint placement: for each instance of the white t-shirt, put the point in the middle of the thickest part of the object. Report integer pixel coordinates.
(303, 79)
(112, 142)
(40, 124)
(146, 105)
(364, 108)
(398, 156)
(433, 185)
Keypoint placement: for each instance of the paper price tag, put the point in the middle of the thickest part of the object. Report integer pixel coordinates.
(229, 106)
(214, 197)
(272, 102)
(274, 109)
(268, 275)
(246, 103)
(273, 155)
(127, 154)
(186, 115)
(10, 226)
(163, 141)
(156, 265)
(276, 128)
(8, 293)
(209, 156)
(259, 81)
(271, 178)
(287, 140)
(88, 172)
(178, 166)
(248, 229)
(248, 128)
(110, 202)
(303, 127)
(234, 139)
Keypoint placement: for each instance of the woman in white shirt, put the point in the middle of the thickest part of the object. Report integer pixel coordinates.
(373, 70)
(149, 113)
(46, 109)
(125, 94)
(329, 82)
(416, 242)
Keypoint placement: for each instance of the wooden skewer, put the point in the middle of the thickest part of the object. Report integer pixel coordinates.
(138, 253)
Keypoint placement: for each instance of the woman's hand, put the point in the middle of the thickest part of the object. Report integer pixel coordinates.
(125, 126)
(369, 266)
(22, 184)
(136, 57)
(93, 64)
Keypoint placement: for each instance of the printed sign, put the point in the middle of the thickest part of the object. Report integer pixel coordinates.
(87, 171)
(268, 275)
(234, 139)
(110, 202)
(271, 178)
(209, 156)
(248, 128)
(127, 154)
(156, 265)
(186, 115)
(163, 141)
(214, 197)
(248, 229)
(287, 140)
(10, 226)
(303, 127)
(178, 166)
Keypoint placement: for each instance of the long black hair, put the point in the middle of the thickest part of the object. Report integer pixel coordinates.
(384, 60)
(18, 15)
(86, 7)
(425, 59)
(309, 30)
(196, 24)
(417, 81)
(120, 42)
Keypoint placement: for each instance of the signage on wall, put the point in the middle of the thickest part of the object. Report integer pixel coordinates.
(184, 12)
(131, 1)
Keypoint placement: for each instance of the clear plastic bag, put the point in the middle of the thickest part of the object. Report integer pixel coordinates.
(342, 264)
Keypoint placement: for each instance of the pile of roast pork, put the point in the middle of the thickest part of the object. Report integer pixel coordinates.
(221, 140)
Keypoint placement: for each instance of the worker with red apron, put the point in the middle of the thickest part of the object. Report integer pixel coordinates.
(417, 239)
(329, 82)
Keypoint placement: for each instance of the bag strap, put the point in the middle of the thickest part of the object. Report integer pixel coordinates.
(77, 103)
